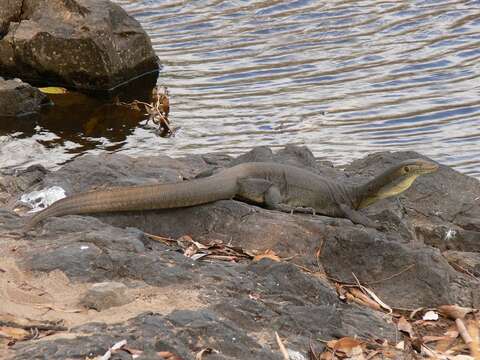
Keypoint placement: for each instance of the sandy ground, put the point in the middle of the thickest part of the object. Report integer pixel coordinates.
(27, 297)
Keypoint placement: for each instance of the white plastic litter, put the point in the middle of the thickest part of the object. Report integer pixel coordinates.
(430, 316)
(39, 200)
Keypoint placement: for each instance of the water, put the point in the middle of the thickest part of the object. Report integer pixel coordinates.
(344, 78)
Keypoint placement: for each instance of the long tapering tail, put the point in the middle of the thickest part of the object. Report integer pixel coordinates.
(136, 198)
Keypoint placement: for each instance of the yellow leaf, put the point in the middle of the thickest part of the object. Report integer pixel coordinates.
(269, 254)
(53, 90)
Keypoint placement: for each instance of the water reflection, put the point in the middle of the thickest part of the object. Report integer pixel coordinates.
(345, 78)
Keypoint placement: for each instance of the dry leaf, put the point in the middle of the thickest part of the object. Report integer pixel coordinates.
(52, 90)
(405, 326)
(454, 311)
(326, 355)
(361, 298)
(428, 339)
(347, 345)
(167, 355)
(14, 333)
(268, 254)
(199, 355)
(450, 335)
(190, 251)
(372, 295)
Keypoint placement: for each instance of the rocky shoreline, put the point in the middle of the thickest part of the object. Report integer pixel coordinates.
(105, 279)
(85, 45)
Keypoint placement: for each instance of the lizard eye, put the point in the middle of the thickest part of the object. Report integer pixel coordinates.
(406, 169)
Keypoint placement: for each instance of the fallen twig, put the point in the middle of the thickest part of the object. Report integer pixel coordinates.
(283, 350)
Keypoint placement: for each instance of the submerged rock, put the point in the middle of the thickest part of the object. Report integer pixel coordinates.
(19, 98)
(84, 44)
(236, 308)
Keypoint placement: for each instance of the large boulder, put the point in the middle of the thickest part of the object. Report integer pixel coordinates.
(87, 44)
(236, 307)
(19, 98)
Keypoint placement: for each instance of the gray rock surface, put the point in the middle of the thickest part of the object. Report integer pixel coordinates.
(87, 44)
(245, 303)
(104, 295)
(19, 98)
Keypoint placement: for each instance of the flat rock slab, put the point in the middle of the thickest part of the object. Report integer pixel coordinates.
(86, 44)
(18, 98)
(243, 304)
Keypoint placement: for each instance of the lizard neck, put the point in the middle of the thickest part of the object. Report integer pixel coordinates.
(385, 185)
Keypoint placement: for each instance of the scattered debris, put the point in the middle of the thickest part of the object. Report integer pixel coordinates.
(455, 312)
(157, 110)
(447, 340)
(268, 254)
(361, 295)
(199, 355)
(16, 329)
(213, 250)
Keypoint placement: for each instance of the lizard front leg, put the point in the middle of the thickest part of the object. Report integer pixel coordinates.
(358, 218)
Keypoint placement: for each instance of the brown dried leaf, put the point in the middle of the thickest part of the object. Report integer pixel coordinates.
(428, 339)
(167, 355)
(450, 335)
(404, 326)
(326, 355)
(268, 254)
(361, 298)
(347, 345)
(454, 311)
(190, 251)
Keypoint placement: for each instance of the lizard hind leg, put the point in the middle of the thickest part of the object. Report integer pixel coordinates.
(261, 191)
(258, 191)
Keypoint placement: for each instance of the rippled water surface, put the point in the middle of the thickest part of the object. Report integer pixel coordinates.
(344, 78)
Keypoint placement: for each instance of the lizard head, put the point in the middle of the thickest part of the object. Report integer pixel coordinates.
(395, 180)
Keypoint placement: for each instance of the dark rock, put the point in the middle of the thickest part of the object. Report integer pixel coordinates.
(464, 261)
(18, 98)
(245, 303)
(9, 12)
(85, 44)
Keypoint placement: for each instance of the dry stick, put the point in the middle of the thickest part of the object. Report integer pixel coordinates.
(283, 350)
(312, 352)
(462, 330)
(475, 346)
(392, 276)
(372, 295)
(463, 270)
